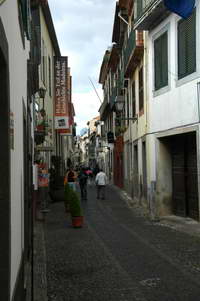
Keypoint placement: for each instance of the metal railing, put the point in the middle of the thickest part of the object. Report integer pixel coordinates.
(113, 96)
(143, 5)
(120, 81)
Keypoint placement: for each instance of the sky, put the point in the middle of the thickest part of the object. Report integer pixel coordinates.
(84, 32)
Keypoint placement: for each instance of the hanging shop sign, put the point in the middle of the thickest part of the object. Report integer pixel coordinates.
(61, 96)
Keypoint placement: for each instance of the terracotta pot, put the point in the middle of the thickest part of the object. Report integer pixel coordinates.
(77, 221)
(40, 127)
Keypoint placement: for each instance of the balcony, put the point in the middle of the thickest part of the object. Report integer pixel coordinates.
(149, 14)
(133, 52)
(113, 97)
(126, 4)
(36, 3)
(120, 82)
(40, 132)
(104, 108)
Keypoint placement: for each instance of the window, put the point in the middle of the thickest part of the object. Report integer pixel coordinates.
(49, 76)
(127, 107)
(44, 63)
(161, 61)
(141, 91)
(187, 46)
(133, 99)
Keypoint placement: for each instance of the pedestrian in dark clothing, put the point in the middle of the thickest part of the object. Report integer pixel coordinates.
(70, 178)
(82, 178)
(96, 170)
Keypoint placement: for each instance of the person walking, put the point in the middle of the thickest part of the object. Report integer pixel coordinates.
(43, 184)
(101, 181)
(82, 178)
(71, 178)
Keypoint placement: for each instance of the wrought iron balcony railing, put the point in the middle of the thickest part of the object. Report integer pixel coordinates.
(113, 96)
(144, 5)
(149, 14)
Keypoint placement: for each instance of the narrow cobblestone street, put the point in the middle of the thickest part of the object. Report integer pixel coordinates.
(119, 255)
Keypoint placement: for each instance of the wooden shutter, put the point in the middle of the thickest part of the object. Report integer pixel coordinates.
(133, 99)
(127, 108)
(161, 61)
(141, 91)
(187, 46)
(139, 8)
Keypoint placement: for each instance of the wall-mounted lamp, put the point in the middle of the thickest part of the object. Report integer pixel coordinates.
(119, 105)
(42, 93)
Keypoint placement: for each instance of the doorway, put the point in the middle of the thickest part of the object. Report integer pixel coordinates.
(184, 175)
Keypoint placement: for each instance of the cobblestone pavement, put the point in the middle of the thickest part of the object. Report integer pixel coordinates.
(119, 255)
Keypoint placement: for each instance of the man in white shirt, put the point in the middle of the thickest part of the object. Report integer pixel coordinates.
(101, 181)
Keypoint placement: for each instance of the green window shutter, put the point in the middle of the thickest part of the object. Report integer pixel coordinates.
(161, 61)
(157, 63)
(141, 90)
(187, 46)
(133, 99)
(25, 15)
(139, 8)
(164, 63)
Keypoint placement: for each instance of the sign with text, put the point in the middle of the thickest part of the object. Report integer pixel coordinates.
(61, 95)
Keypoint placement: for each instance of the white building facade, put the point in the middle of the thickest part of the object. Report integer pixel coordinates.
(14, 173)
(173, 110)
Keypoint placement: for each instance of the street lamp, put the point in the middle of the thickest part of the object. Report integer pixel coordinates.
(42, 93)
(119, 103)
(119, 106)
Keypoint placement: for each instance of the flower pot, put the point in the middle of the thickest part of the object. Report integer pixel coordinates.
(40, 127)
(77, 221)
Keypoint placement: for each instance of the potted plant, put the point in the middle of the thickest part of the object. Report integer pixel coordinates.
(72, 204)
(41, 126)
(67, 196)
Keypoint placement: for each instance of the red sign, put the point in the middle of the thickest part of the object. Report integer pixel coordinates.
(61, 94)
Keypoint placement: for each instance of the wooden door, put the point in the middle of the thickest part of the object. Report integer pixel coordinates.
(184, 175)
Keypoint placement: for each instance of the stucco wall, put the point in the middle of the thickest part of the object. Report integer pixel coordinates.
(18, 91)
(49, 52)
(171, 110)
(177, 104)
